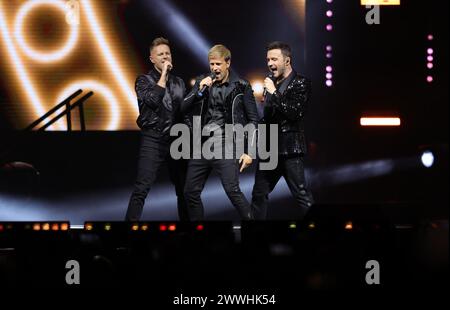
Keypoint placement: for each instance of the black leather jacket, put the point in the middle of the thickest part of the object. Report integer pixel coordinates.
(286, 107)
(240, 105)
(159, 108)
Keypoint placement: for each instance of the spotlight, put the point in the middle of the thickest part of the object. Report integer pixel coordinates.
(427, 159)
(88, 226)
(348, 225)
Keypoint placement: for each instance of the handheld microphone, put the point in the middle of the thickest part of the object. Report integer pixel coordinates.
(201, 91)
(270, 76)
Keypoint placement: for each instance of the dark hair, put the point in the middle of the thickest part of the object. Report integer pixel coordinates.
(284, 47)
(159, 41)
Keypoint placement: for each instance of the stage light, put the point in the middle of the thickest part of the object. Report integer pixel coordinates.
(348, 225)
(311, 225)
(88, 226)
(105, 49)
(96, 87)
(329, 27)
(144, 227)
(192, 82)
(135, 227)
(329, 83)
(162, 227)
(329, 48)
(329, 76)
(199, 227)
(258, 87)
(65, 226)
(45, 226)
(172, 227)
(15, 41)
(36, 227)
(427, 159)
(329, 68)
(108, 227)
(180, 27)
(55, 226)
(430, 59)
(380, 2)
(292, 225)
(329, 13)
(44, 57)
(380, 121)
(22, 75)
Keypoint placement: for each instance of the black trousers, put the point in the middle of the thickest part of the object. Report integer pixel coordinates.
(292, 169)
(197, 174)
(154, 152)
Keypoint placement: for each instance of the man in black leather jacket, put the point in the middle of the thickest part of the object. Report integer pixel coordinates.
(159, 95)
(226, 99)
(288, 94)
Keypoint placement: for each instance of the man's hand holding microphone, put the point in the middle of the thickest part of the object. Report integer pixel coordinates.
(167, 66)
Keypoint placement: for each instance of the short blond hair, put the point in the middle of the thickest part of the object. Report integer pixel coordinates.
(221, 51)
(158, 41)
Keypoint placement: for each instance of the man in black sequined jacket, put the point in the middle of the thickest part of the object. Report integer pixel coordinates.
(288, 94)
(159, 94)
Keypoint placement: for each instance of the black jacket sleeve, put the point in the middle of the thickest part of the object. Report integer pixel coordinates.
(149, 93)
(293, 103)
(191, 99)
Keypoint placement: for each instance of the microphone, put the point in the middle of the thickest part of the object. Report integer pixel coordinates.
(212, 75)
(270, 76)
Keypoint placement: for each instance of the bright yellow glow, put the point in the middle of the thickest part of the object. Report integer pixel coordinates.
(20, 37)
(21, 72)
(96, 88)
(108, 227)
(380, 121)
(88, 226)
(107, 54)
(135, 227)
(312, 225)
(46, 226)
(292, 226)
(114, 86)
(380, 2)
(64, 226)
(144, 227)
(36, 227)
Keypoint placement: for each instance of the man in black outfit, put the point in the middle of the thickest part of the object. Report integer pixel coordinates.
(226, 99)
(288, 94)
(159, 95)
